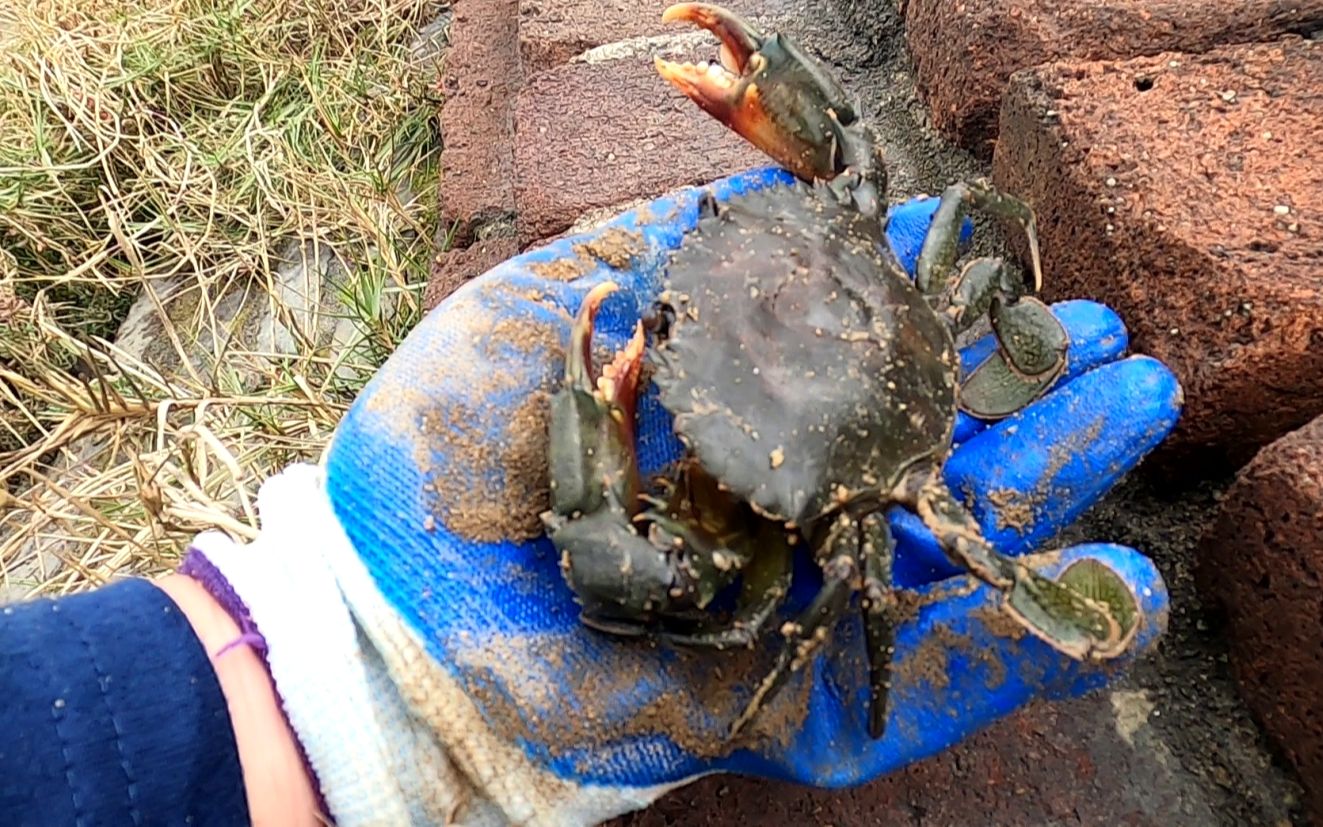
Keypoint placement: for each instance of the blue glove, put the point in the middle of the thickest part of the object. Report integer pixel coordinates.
(438, 475)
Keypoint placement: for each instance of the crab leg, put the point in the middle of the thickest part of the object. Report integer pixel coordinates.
(1076, 626)
(1031, 355)
(879, 611)
(1031, 342)
(941, 247)
(807, 633)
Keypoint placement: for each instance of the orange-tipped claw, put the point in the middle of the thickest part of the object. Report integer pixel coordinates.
(620, 378)
(579, 370)
(764, 89)
(739, 39)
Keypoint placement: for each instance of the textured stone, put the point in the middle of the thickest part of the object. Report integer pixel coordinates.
(593, 135)
(552, 32)
(481, 78)
(605, 130)
(1187, 193)
(1262, 561)
(1094, 761)
(964, 53)
(454, 267)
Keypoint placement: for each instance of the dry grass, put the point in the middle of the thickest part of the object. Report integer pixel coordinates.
(174, 153)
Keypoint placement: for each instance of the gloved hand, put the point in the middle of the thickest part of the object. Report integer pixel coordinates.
(428, 651)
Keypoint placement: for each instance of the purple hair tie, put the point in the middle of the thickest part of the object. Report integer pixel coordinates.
(196, 566)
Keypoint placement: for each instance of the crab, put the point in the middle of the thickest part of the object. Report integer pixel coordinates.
(814, 386)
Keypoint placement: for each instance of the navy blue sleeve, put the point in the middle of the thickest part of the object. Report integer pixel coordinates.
(110, 714)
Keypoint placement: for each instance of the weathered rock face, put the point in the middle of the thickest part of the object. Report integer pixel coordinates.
(1187, 193)
(554, 111)
(1263, 562)
(481, 79)
(589, 134)
(454, 267)
(551, 32)
(965, 53)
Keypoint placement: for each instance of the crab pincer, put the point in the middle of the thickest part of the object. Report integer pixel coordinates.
(640, 562)
(595, 482)
(768, 91)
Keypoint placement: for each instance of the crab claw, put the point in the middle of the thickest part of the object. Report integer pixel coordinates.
(619, 382)
(739, 39)
(591, 454)
(579, 371)
(617, 385)
(768, 91)
(735, 89)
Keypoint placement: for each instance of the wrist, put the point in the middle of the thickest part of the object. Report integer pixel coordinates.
(278, 787)
(372, 762)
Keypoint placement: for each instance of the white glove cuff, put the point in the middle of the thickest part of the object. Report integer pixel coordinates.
(367, 752)
(391, 735)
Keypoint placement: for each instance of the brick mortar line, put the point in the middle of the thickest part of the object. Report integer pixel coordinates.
(635, 46)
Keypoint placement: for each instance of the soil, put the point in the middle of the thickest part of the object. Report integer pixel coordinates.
(1197, 711)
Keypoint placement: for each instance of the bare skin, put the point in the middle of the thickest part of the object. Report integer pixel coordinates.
(278, 789)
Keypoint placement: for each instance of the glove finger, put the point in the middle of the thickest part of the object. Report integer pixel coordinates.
(960, 664)
(1033, 474)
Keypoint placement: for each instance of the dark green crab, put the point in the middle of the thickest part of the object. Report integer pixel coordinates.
(814, 385)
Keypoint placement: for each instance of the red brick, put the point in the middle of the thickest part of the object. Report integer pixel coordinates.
(593, 135)
(481, 78)
(1048, 764)
(454, 267)
(553, 31)
(1263, 562)
(1158, 184)
(965, 53)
